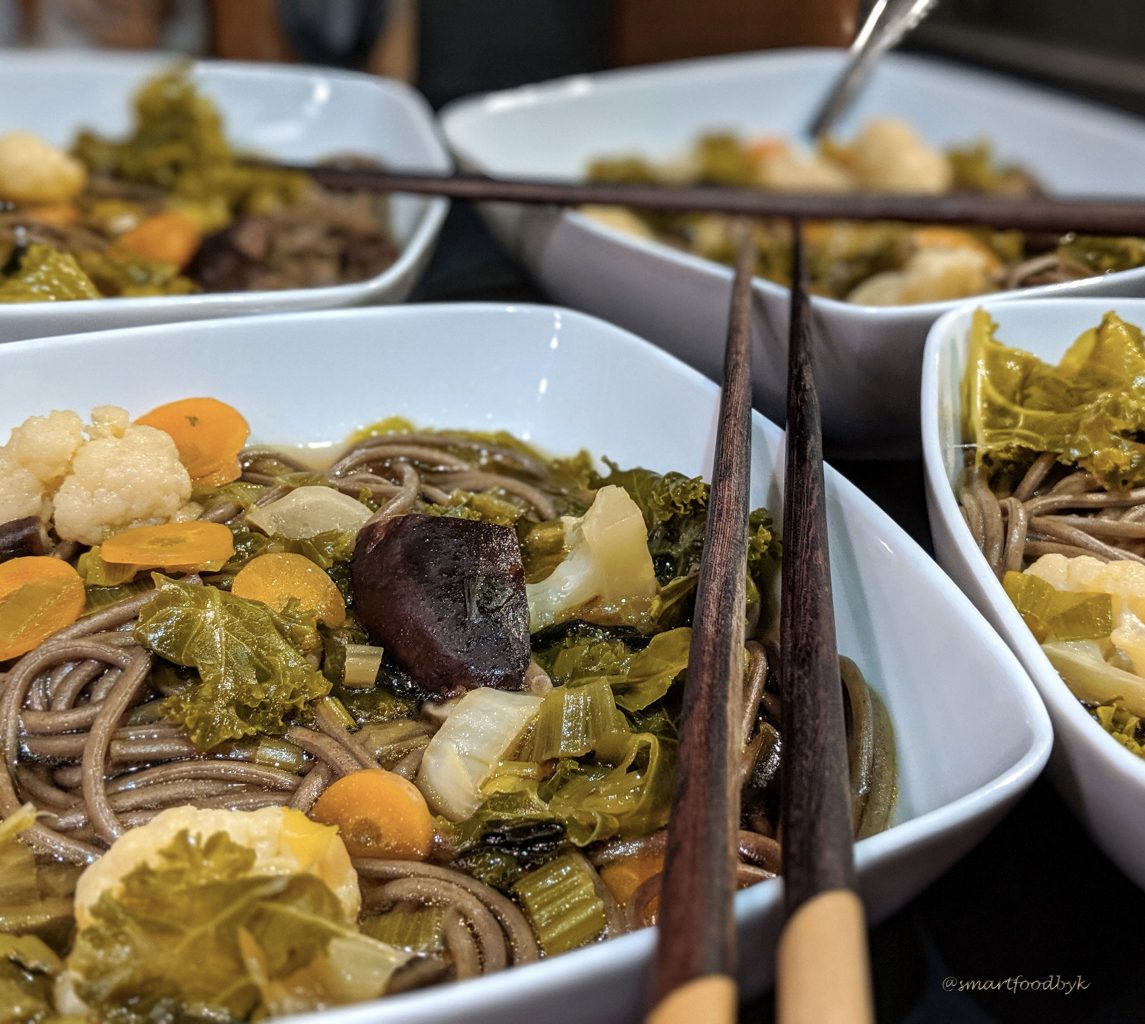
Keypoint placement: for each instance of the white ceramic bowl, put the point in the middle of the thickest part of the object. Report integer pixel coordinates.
(971, 732)
(291, 113)
(1103, 782)
(869, 358)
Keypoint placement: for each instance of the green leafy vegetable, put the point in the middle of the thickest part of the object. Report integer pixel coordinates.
(251, 661)
(1054, 614)
(34, 898)
(1128, 729)
(1089, 409)
(198, 933)
(639, 677)
(46, 275)
(28, 970)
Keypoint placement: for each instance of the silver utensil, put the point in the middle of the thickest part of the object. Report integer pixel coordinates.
(886, 25)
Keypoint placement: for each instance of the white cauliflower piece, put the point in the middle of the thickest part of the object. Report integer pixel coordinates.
(285, 842)
(117, 482)
(33, 171)
(108, 421)
(888, 155)
(21, 493)
(46, 445)
(793, 170)
(930, 275)
(1123, 580)
(607, 577)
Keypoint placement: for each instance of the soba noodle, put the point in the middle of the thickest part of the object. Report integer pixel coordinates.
(84, 739)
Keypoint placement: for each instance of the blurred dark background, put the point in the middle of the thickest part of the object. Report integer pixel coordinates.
(450, 48)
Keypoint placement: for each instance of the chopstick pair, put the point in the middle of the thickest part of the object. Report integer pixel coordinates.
(1092, 214)
(822, 962)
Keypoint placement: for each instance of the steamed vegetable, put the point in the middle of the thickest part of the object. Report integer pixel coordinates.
(279, 578)
(607, 576)
(1088, 409)
(251, 662)
(483, 728)
(310, 511)
(209, 435)
(378, 814)
(261, 942)
(39, 595)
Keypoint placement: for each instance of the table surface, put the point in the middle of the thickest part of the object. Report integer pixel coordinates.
(1036, 899)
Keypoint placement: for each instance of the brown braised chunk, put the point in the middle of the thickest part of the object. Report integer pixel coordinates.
(446, 598)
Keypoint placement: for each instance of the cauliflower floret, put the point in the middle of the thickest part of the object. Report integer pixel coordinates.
(33, 171)
(890, 156)
(285, 842)
(607, 577)
(789, 170)
(930, 275)
(108, 421)
(1123, 580)
(21, 493)
(45, 445)
(117, 482)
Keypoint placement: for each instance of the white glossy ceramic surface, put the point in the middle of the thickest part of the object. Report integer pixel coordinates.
(869, 358)
(971, 732)
(288, 112)
(1103, 782)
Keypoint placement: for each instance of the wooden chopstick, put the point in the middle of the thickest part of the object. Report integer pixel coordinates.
(695, 953)
(823, 974)
(1091, 214)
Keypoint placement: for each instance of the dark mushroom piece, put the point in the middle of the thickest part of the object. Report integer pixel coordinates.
(23, 537)
(446, 598)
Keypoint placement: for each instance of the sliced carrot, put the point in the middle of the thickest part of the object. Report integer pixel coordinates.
(626, 875)
(39, 596)
(169, 237)
(177, 547)
(379, 814)
(58, 214)
(279, 577)
(209, 435)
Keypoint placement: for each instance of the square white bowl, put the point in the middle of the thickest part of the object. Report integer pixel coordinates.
(1101, 780)
(970, 731)
(869, 358)
(291, 113)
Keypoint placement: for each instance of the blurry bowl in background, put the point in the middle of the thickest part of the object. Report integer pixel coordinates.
(1103, 782)
(290, 113)
(869, 358)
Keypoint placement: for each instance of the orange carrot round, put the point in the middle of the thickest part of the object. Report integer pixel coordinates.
(209, 435)
(168, 237)
(38, 597)
(626, 875)
(379, 814)
(278, 577)
(181, 547)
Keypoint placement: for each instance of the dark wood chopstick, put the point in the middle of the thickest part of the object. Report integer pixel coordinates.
(1091, 214)
(822, 960)
(695, 951)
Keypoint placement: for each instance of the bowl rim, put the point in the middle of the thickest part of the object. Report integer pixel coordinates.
(469, 110)
(411, 102)
(1050, 685)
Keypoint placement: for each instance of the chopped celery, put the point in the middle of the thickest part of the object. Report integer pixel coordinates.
(363, 662)
(574, 720)
(562, 904)
(414, 929)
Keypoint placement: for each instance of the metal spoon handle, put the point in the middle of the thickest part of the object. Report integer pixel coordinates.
(888, 22)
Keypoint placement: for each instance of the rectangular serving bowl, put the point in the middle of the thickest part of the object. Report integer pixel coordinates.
(292, 113)
(971, 733)
(869, 358)
(1101, 780)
